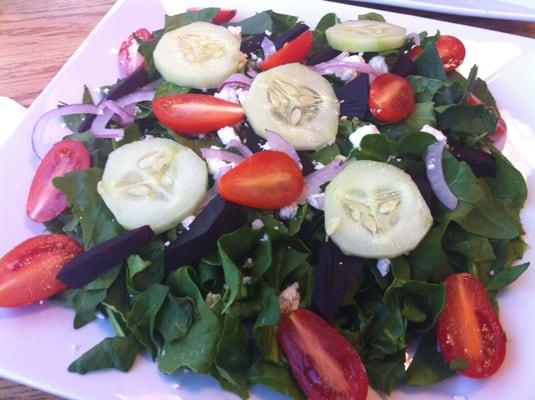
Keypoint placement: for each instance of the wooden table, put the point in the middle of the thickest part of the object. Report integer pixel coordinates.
(37, 37)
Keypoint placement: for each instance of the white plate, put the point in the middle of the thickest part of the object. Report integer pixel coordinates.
(522, 10)
(37, 343)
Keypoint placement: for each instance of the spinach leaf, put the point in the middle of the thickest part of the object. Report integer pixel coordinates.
(428, 365)
(467, 120)
(177, 21)
(475, 247)
(256, 24)
(141, 319)
(146, 268)
(281, 22)
(425, 88)
(429, 260)
(99, 149)
(266, 326)
(73, 121)
(371, 16)
(196, 350)
(506, 276)
(429, 65)
(423, 114)
(482, 92)
(175, 317)
(262, 259)
(509, 186)
(276, 377)
(116, 352)
(387, 372)
(166, 88)
(320, 39)
(97, 222)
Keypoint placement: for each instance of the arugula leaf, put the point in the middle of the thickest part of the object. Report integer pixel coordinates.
(507, 276)
(276, 377)
(266, 326)
(173, 22)
(428, 366)
(320, 39)
(175, 317)
(196, 350)
(371, 16)
(117, 352)
(142, 317)
(97, 222)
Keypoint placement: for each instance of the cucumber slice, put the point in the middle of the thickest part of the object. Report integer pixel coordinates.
(156, 182)
(199, 55)
(355, 36)
(297, 103)
(375, 210)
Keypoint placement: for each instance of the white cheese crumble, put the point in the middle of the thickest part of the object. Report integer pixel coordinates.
(265, 146)
(347, 74)
(289, 298)
(227, 134)
(318, 165)
(265, 237)
(215, 164)
(383, 266)
(166, 244)
(317, 201)
(186, 222)
(257, 224)
(268, 33)
(234, 95)
(288, 212)
(378, 63)
(236, 31)
(433, 131)
(248, 264)
(356, 137)
(212, 299)
(247, 280)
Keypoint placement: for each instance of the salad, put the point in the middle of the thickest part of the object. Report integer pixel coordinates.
(316, 210)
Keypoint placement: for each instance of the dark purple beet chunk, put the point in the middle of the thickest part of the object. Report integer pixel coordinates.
(335, 274)
(424, 187)
(306, 162)
(130, 84)
(483, 164)
(252, 44)
(403, 66)
(99, 259)
(291, 34)
(251, 139)
(219, 217)
(353, 97)
(322, 56)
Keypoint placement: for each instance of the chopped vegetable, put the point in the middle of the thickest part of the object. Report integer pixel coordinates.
(365, 35)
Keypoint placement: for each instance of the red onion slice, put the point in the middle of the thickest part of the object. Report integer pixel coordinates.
(243, 149)
(339, 64)
(124, 117)
(277, 143)
(435, 175)
(316, 179)
(268, 47)
(222, 155)
(43, 139)
(236, 81)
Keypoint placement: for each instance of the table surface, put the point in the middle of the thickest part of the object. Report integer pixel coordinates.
(37, 37)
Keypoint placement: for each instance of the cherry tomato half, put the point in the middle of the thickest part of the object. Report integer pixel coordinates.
(294, 51)
(45, 202)
(28, 272)
(224, 15)
(391, 98)
(468, 329)
(415, 52)
(196, 113)
(323, 362)
(129, 58)
(451, 51)
(501, 126)
(267, 179)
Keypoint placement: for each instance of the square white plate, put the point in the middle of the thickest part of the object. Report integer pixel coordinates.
(37, 343)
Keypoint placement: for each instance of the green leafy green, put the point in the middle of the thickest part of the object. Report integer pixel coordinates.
(175, 318)
(179, 20)
(428, 366)
(276, 377)
(506, 276)
(371, 16)
(266, 326)
(320, 39)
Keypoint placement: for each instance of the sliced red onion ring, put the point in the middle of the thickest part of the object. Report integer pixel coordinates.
(243, 149)
(268, 47)
(222, 155)
(99, 126)
(435, 175)
(277, 143)
(236, 81)
(251, 72)
(222, 171)
(136, 97)
(43, 139)
(124, 117)
(339, 64)
(316, 179)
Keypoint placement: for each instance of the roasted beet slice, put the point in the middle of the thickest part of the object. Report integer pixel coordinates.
(335, 274)
(130, 84)
(251, 139)
(217, 218)
(290, 34)
(353, 97)
(322, 56)
(403, 66)
(424, 187)
(252, 44)
(99, 259)
(483, 164)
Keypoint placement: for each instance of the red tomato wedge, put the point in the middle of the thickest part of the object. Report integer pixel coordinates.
(267, 179)
(415, 52)
(224, 15)
(391, 98)
(323, 362)
(501, 126)
(196, 113)
(129, 58)
(451, 51)
(45, 202)
(28, 271)
(468, 328)
(295, 51)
